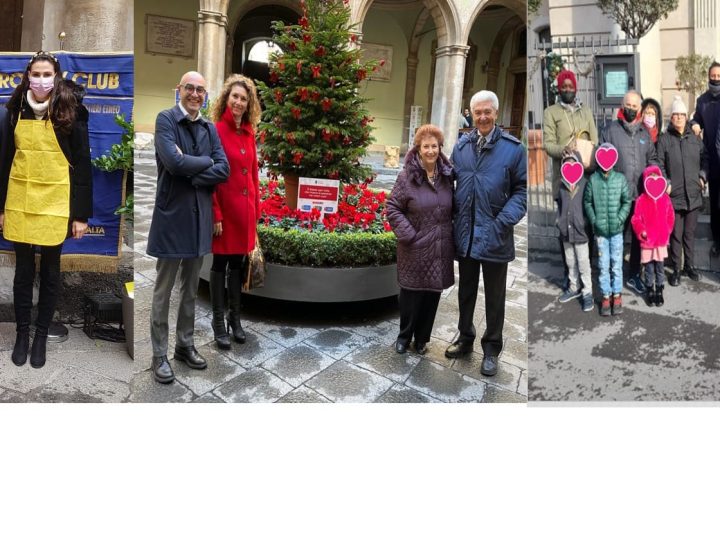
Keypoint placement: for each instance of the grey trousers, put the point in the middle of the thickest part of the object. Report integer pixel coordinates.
(578, 262)
(165, 281)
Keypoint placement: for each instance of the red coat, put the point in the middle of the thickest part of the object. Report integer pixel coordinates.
(655, 218)
(236, 203)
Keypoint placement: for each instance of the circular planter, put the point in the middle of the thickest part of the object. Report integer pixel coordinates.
(323, 285)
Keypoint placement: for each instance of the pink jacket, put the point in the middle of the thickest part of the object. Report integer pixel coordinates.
(655, 218)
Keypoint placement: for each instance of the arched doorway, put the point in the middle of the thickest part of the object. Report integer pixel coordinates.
(252, 40)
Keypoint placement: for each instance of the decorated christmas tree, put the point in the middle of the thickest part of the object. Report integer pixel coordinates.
(315, 123)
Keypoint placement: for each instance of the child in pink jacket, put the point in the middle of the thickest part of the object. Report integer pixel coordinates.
(653, 222)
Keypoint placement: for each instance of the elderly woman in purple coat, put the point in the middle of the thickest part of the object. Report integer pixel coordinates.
(420, 213)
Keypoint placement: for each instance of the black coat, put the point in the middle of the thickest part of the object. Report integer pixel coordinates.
(182, 222)
(76, 147)
(571, 213)
(683, 162)
(421, 217)
(707, 116)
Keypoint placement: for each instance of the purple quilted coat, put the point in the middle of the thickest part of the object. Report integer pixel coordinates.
(421, 217)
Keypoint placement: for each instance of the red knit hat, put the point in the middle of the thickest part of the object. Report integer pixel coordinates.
(566, 74)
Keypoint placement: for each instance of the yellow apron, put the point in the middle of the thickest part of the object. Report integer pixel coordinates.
(37, 209)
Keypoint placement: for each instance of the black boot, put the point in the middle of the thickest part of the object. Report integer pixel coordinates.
(650, 298)
(659, 300)
(234, 288)
(37, 354)
(22, 346)
(217, 296)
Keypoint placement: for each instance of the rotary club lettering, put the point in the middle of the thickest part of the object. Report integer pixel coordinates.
(97, 81)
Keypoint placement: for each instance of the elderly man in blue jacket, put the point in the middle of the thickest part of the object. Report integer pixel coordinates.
(490, 198)
(190, 161)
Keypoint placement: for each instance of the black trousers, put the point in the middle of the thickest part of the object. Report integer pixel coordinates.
(417, 315)
(631, 238)
(682, 239)
(494, 276)
(23, 284)
(221, 262)
(714, 188)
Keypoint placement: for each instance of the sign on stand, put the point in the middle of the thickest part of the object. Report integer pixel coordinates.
(416, 112)
(320, 193)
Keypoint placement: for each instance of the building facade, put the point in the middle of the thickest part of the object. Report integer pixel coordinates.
(438, 53)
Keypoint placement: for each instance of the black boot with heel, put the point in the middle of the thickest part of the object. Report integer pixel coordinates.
(39, 346)
(217, 297)
(234, 290)
(22, 346)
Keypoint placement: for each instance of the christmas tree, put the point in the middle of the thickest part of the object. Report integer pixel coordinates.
(315, 123)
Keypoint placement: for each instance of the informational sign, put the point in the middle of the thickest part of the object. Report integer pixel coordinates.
(108, 79)
(319, 193)
(416, 112)
(170, 36)
(616, 83)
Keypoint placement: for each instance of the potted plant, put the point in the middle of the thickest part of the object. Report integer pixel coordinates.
(315, 123)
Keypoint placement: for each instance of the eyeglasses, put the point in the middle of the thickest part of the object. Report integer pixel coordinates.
(191, 88)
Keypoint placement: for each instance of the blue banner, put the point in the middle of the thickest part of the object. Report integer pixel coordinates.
(108, 79)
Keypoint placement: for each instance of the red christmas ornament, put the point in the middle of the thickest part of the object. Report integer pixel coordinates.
(316, 71)
(303, 22)
(307, 38)
(281, 66)
(298, 66)
(361, 74)
(292, 46)
(326, 135)
(297, 158)
(278, 96)
(329, 156)
(303, 94)
(346, 140)
(296, 113)
(364, 121)
(290, 137)
(263, 134)
(320, 51)
(334, 175)
(274, 77)
(326, 104)
(315, 95)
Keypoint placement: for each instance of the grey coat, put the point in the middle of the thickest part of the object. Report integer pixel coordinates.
(571, 214)
(635, 151)
(182, 221)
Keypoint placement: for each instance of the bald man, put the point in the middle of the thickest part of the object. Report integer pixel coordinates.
(190, 162)
(636, 151)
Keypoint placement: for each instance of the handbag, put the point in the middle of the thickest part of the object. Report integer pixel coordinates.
(255, 268)
(584, 147)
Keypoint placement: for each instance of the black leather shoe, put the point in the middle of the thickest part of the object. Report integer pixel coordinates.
(420, 348)
(21, 348)
(692, 273)
(162, 372)
(674, 280)
(458, 349)
(400, 347)
(489, 365)
(191, 357)
(39, 345)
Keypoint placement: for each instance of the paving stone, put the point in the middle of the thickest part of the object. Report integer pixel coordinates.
(298, 364)
(336, 343)
(507, 376)
(208, 398)
(253, 386)
(523, 384)
(285, 335)
(25, 378)
(516, 353)
(383, 360)
(256, 350)
(346, 383)
(444, 383)
(144, 389)
(402, 394)
(111, 364)
(220, 369)
(495, 394)
(10, 396)
(302, 394)
(73, 385)
(383, 332)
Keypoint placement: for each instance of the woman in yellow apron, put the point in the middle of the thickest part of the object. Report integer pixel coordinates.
(45, 191)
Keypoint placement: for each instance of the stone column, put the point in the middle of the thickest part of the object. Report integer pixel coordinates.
(212, 39)
(410, 80)
(447, 96)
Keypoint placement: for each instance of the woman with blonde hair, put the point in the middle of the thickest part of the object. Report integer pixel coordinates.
(420, 213)
(236, 203)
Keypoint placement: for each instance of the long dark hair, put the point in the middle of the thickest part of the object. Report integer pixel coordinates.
(63, 102)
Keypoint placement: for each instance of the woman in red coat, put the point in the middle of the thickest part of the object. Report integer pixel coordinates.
(236, 203)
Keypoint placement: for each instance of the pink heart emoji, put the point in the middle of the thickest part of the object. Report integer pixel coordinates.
(655, 186)
(572, 172)
(607, 157)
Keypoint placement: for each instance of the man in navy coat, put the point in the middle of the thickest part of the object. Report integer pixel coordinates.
(490, 199)
(190, 161)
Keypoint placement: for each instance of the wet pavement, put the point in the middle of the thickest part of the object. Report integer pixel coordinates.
(667, 353)
(324, 353)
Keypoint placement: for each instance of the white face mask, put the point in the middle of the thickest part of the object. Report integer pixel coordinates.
(41, 86)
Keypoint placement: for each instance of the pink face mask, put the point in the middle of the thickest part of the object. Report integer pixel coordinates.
(41, 86)
(649, 121)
